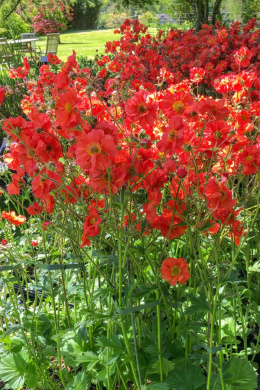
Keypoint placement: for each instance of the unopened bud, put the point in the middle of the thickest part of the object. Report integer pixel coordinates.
(181, 172)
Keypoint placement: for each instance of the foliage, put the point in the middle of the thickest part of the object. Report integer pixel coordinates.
(86, 14)
(148, 18)
(52, 16)
(111, 17)
(251, 9)
(130, 216)
(14, 26)
(43, 16)
(200, 11)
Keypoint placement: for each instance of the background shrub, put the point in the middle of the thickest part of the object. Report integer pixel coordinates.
(14, 26)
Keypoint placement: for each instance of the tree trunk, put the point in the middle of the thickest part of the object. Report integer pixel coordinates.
(85, 17)
(216, 10)
(206, 12)
(199, 10)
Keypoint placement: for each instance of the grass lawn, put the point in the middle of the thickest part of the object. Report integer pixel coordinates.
(85, 43)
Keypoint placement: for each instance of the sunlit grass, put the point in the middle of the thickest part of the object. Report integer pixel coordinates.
(85, 43)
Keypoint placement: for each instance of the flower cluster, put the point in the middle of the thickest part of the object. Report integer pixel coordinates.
(148, 60)
(154, 135)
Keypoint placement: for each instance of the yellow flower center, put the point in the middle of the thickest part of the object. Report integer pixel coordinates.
(93, 147)
(172, 134)
(68, 107)
(178, 106)
(175, 270)
(217, 134)
(93, 220)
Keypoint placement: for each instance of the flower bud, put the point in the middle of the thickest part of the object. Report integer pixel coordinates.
(181, 172)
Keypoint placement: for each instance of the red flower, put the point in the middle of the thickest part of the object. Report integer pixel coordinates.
(20, 72)
(250, 159)
(142, 108)
(34, 209)
(34, 243)
(2, 95)
(169, 223)
(53, 59)
(45, 225)
(103, 182)
(14, 187)
(49, 149)
(65, 111)
(175, 270)
(243, 57)
(44, 183)
(213, 229)
(196, 75)
(94, 150)
(172, 135)
(102, 73)
(237, 229)
(13, 218)
(219, 196)
(4, 241)
(177, 103)
(90, 226)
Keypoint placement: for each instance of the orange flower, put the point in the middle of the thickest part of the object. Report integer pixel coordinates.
(175, 270)
(13, 218)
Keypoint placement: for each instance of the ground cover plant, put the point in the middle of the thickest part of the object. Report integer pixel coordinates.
(130, 218)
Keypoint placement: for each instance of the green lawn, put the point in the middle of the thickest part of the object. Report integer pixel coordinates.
(85, 43)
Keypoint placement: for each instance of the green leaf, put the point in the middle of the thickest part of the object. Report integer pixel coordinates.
(31, 376)
(88, 357)
(13, 369)
(197, 305)
(137, 308)
(239, 374)
(10, 268)
(112, 359)
(80, 382)
(113, 342)
(158, 386)
(255, 267)
(167, 366)
(211, 350)
(12, 329)
(51, 267)
(190, 378)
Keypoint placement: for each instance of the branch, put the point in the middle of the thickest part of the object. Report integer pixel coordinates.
(12, 9)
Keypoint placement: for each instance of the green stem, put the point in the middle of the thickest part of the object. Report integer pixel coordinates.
(159, 337)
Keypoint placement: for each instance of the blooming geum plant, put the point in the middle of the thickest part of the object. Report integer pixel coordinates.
(151, 180)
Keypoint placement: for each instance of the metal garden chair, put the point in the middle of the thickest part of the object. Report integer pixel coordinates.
(51, 46)
(28, 36)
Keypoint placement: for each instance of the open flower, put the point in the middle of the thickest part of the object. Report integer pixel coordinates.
(175, 270)
(13, 218)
